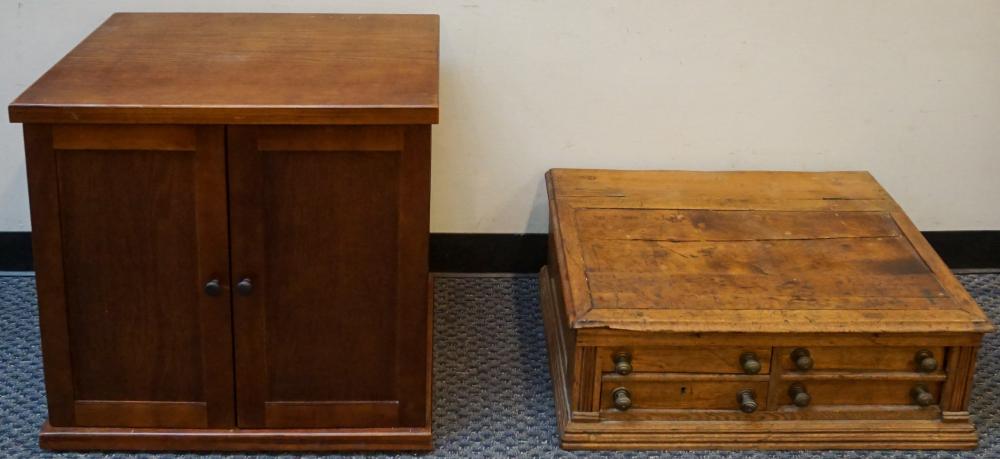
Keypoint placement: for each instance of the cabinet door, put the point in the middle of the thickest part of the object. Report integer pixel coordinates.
(128, 225)
(329, 235)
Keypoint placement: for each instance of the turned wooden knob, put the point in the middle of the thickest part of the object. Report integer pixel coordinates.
(213, 288)
(244, 287)
(623, 362)
(750, 363)
(800, 398)
(802, 359)
(622, 398)
(925, 361)
(922, 396)
(747, 400)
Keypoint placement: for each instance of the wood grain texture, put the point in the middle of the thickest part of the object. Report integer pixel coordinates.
(557, 345)
(335, 244)
(46, 245)
(961, 367)
(145, 439)
(861, 358)
(679, 394)
(349, 414)
(685, 359)
(586, 380)
(240, 68)
(168, 148)
(189, 415)
(127, 334)
(685, 271)
(859, 392)
(649, 250)
(778, 426)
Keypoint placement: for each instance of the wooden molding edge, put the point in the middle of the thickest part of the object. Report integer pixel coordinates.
(128, 439)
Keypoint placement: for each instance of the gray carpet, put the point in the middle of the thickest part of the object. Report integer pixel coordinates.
(493, 395)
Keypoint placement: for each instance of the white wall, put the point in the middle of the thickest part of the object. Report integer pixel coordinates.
(908, 89)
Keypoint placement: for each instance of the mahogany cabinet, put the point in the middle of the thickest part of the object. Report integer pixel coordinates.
(230, 228)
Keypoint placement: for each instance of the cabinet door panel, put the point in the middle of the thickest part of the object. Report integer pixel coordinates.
(129, 223)
(330, 227)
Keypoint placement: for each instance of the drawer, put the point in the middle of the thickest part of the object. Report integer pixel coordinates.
(683, 359)
(694, 394)
(847, 392)
(862, 358)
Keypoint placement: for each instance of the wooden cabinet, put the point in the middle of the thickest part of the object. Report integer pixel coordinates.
(751, 310)
(230, 232)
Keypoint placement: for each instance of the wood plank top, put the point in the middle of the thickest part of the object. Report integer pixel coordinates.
(244, 68)
(770, 252)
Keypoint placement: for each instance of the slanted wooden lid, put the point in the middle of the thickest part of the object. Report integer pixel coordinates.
(244, 68)
(768, 252)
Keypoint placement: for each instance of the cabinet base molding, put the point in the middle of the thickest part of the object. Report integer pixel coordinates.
(126, 439)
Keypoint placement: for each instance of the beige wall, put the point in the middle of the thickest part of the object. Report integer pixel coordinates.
(908, 89)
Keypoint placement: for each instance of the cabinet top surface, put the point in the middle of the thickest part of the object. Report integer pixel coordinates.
(769, 252)
(252, 68)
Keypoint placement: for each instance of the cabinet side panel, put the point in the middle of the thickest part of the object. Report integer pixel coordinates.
(43, 192)
(413, 318)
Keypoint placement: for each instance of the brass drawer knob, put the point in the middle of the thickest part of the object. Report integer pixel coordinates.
(622, 398)
(921, 396)
(800, 398)
(747, 400)
(750, 363)
(623, 362)
(925, 361)
(802, 359)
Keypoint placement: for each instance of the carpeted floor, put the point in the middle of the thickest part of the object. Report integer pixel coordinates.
(493, 395)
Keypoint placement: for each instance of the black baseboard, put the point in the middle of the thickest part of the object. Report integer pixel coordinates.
(15, 251)
(967, 249)
(488, 253)
(526, 253)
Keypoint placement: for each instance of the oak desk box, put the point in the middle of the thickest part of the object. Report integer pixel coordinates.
(776, 310)
(230, 227)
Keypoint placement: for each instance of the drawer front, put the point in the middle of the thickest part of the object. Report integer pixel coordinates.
(846, 392)
(684, 359)
(861, 358)
(680, 394)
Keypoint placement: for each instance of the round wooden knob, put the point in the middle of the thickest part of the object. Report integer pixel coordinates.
(213, 288)
(623, 362)
(750, 363)
(921, 396)
(800, 398)
(622, 398)
(244, 287)
(802, 359)
(925, 361)
(747, 400)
